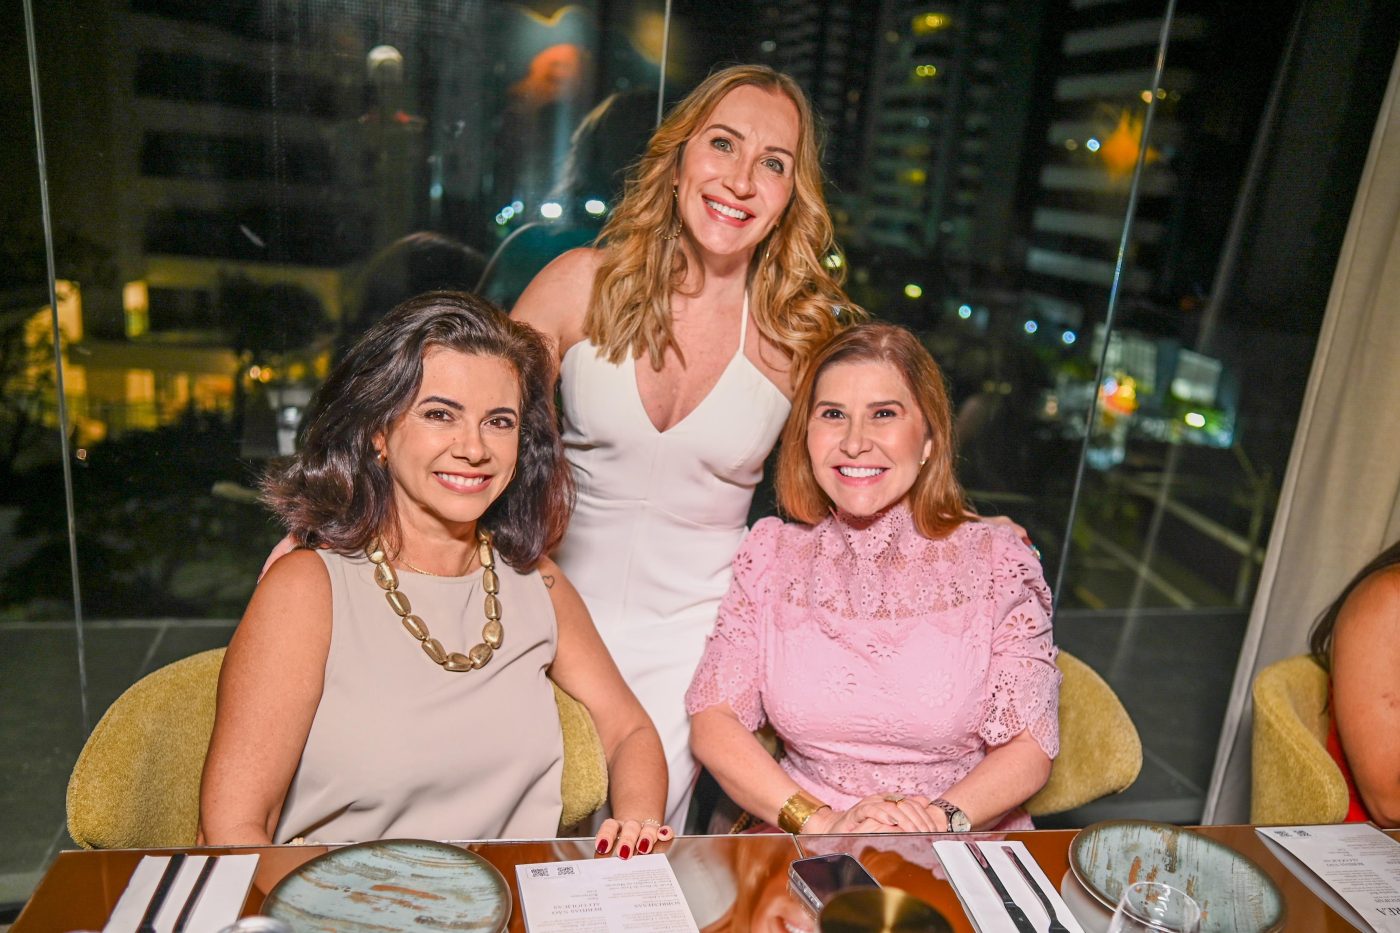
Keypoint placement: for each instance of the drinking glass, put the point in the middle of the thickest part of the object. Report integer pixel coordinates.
(1159, 908)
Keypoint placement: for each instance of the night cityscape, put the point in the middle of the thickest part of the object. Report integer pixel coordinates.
(238, 188)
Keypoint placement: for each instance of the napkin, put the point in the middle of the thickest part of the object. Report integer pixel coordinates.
(980, 900)
(219, 905)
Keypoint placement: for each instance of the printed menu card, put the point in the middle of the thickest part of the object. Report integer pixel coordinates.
(1354, 867)
(606, 895)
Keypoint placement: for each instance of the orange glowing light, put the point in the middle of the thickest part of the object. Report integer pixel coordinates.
(554, 74)
(1119, 395)
(1119, 149)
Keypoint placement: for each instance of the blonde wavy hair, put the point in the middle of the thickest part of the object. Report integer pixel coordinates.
(795, 300)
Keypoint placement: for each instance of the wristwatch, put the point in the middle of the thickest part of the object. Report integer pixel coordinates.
(958, 821)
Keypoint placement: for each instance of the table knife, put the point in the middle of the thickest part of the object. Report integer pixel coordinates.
(167, 878)
(1017, 915)
(1055, 925)
(192, 900)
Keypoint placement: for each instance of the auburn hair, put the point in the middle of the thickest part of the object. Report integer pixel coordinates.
(796, 301)
(936, 499)
(336, 493)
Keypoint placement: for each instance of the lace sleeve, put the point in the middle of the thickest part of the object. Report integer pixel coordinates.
(1023, 684)
(730, 670)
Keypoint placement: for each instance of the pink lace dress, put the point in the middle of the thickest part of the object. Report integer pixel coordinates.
(886, 661)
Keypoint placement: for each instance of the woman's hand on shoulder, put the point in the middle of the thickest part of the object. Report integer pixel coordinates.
(556, 300)
(1004, 521)
(287, 545)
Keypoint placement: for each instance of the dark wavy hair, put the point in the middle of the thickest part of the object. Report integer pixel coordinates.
(1320, 641)
(334, 493)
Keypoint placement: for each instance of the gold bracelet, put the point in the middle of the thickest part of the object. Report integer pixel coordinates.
(797, 810)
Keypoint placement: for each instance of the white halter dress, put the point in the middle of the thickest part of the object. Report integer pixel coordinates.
(659, 518)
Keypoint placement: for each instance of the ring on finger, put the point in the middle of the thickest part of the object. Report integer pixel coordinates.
(894, 798)
(651, 822)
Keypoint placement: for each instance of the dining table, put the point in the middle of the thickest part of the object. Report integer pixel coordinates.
(729, 882)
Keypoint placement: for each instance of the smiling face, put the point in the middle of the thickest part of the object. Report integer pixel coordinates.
(866, 436)
(736, 174)
(453, 452)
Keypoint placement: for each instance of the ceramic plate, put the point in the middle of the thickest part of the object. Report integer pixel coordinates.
(396, 884)
(1234, 893)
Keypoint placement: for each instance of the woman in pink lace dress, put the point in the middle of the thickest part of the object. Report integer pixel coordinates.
(902, 652)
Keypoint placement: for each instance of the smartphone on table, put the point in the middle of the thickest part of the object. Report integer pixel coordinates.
(818, 879)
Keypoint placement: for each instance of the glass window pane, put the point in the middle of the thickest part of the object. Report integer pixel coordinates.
(980, 159)
(41, 719)
(239, 188)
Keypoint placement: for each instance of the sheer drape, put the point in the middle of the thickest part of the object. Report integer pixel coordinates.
(1340, 502)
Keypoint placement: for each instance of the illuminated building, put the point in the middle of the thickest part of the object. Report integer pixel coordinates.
(1198, 146)
(827, 47)
(222, 159)
(948, 100)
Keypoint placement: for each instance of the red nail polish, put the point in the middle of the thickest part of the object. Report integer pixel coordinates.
(644, 846)
(665, 831)
(603, 846)
(624, 852)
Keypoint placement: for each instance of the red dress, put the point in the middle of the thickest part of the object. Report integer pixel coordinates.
(1356, 810)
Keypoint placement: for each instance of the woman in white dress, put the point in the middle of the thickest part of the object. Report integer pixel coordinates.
(680, 338)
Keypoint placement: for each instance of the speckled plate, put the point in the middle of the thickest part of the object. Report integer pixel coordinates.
(1234, 893)
(395, 884)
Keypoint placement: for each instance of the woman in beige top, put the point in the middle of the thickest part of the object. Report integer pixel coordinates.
(391, 676)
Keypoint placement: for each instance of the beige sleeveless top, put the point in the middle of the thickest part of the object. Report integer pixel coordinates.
(400, 747)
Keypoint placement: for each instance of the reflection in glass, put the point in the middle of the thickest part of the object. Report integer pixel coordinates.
(238, 188)
(239, 185)
(980, 157)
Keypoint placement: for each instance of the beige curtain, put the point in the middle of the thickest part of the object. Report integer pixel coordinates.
(1340, 501)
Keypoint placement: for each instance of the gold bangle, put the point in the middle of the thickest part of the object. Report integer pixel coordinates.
(797, 810)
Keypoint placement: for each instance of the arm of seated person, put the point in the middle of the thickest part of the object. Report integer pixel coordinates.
(636, 764)
(754, 781)
(1007, 777)
(269, 688)
(1366, 691)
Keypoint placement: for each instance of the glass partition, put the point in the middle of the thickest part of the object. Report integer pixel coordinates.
(1098, 250)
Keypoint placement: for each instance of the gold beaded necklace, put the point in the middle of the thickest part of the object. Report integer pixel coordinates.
(492, 633)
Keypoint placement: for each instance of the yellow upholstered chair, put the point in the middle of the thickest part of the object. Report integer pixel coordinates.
(1100, 752)
(1294, 779)
(136, 781)
(585, 767)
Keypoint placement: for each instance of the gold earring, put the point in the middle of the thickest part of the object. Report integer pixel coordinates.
(383, 458)
(922, 462)
(676, 209)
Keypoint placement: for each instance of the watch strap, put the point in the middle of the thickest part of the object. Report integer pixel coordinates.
(954, 812)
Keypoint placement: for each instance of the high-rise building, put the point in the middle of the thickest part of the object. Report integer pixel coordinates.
(229, 150)
(949, 99)
(827, 47)
(215, 171)
(1196, 151)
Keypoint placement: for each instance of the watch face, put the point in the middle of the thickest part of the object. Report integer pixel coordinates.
(958, 821)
